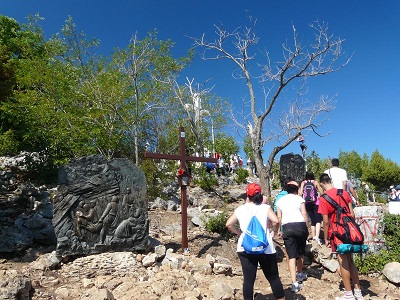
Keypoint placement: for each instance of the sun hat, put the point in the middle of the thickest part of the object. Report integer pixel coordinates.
(252, 189)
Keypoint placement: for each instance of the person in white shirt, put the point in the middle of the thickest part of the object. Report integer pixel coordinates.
(267, 261)
(337, 175)
(395, 194)
(293, 216)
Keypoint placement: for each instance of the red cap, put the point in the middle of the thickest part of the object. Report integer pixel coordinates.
(252, 189)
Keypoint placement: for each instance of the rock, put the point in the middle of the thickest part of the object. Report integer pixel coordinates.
(14, 285)
(149, 260)
(222, 269)
(392, 272)
(100, 206)
(331, 264)
(100, 294)
(173, 260)
(291, 165)
(222, 291)
(160, 251)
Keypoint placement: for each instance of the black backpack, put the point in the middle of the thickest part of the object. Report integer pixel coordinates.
(309, 192)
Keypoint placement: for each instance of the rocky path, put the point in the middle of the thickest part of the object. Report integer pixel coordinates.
(127, 276)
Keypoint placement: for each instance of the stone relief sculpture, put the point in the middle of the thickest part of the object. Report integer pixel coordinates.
(109, 219)
(95, 209)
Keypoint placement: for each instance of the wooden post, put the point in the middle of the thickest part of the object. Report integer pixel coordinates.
(183, 159)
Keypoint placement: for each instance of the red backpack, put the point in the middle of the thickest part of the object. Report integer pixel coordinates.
(344, 228)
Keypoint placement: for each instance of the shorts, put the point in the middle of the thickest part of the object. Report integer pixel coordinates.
(312, 211)
(295, 237)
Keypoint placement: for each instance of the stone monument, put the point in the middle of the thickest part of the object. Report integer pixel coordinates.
(100, 206)
(292, 165)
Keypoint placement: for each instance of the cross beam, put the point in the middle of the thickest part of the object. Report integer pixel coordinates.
(183, 159)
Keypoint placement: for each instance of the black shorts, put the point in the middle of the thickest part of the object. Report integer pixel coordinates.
(312, 211)
(295, 237)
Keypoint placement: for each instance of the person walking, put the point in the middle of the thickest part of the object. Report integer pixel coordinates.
(309, 190)
(267, 260)
(348, 269)
(353, 194)
(292, 215)
(337, 175)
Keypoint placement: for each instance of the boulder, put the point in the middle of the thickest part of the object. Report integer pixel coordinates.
(100, 206)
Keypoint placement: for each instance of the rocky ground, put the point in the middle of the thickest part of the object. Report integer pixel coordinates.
(125, 275)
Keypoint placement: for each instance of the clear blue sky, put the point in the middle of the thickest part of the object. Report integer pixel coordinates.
(367, 113)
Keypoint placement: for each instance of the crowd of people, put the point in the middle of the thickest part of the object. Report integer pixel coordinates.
(297, 208)
(224, 167)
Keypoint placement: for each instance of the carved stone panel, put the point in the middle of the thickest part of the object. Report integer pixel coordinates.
(100, 206)
(292, 165)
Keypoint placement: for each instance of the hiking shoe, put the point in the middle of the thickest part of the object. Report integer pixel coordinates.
(358, 295)
(296, 287)
(300, 277)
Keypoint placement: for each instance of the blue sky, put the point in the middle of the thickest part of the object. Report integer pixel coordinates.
(366, 117)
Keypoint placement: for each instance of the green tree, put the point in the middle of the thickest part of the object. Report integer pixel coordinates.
(20, 46)
(226, 145)
(353, 163)
(316, 164)
(381, 172)
(148, 64)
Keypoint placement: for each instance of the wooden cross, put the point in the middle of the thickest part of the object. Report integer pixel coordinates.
(183, 159)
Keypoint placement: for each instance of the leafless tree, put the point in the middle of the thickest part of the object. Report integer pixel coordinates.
(300, 62)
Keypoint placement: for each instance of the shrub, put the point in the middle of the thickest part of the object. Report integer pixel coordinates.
(372, 263)
(206, 180)
(8, 143)
(217, 223)
(241, 175)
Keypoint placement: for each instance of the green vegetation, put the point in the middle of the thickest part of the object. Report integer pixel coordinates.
(374, 263)
(241, 175)
(217, 225)
(205, 180)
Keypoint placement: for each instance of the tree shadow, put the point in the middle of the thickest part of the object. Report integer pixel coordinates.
(289, 295)
(214, 242)
(365, 288)
(315, 271)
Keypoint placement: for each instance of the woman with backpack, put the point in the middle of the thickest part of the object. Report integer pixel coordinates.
(267, 259)
(309, 190)
(293, 217)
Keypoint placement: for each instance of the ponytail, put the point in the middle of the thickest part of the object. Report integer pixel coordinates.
(257, 199)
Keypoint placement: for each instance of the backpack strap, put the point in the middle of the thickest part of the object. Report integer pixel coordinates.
(336, 205)
(253, 215)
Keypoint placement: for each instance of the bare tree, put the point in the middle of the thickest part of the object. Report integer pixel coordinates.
(299, 63)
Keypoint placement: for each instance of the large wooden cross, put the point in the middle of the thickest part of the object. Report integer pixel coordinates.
(183, 159)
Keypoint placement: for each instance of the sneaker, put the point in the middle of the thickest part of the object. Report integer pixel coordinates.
(317, 240)
(296, 287)
(300, 277)
(346, 296)
(358, 295)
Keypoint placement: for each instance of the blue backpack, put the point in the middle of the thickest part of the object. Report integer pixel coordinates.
(255, 239)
